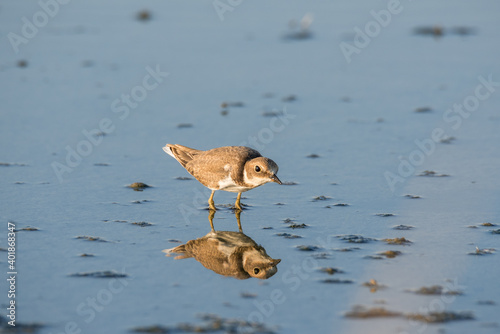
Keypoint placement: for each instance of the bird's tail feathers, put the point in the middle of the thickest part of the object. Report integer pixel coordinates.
(180, 251)
(183, 154)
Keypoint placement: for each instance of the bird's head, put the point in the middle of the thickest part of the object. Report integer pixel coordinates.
(259, 171)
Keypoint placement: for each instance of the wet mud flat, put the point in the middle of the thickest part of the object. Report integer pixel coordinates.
(383, 222)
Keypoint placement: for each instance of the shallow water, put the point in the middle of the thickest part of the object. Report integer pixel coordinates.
(358, 117)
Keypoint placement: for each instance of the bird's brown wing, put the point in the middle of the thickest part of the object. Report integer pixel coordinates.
(208, 166)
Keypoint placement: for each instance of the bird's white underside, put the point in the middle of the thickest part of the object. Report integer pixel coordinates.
(228, 184)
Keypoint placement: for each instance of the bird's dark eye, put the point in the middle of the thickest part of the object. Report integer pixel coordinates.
(257, 169)
(256, 271)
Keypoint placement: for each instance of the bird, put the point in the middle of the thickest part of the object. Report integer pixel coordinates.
(229, 168)
(228, 253)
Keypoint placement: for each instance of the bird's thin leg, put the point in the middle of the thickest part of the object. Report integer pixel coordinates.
(237, 204)
(211, 204)
(237, 213)
(211, 215)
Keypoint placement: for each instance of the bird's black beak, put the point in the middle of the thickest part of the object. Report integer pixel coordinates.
(275, 178)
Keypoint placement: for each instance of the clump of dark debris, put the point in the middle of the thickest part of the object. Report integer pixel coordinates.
(362, 312)
(142, 224)
(90, 238)
(403, 227)
(321, 198)
(432, 173)
(288, 235)
(374, 285)
(5, 327)
(138, 186)
(436, 290)
(484, 251)
(211, 323)
(385, 214)
(331, 270)
(100, 274)
(144, 15)
(336, 281)
(292, 224)
(308, 248)
(353, 238)
(423, 109)
(439, 31)
(440, 317)
(390, 254)
(397, 241)
(28, 228)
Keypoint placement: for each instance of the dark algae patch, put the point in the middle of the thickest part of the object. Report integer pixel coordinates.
(362, 312)
(441, 317)
(373, 285)
(412, 196)
(436, 290)
(89, 238)
(336, 281)
(142, 224)
(211, 323)
(138, 186)
(484, 251)
(390, 254)
(403, 227)
(423, 109)
(143, 15)
(354, 238)
(321, 198)
(28, 228)
(288, 235)
(294, 226)
(397, 241)
(100, 274)
(308, 248)
(20, 327)
(432, 173)
(331, 270)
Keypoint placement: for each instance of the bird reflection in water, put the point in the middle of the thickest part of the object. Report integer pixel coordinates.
(228, 253)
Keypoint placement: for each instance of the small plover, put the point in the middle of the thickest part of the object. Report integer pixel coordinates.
(230, 168)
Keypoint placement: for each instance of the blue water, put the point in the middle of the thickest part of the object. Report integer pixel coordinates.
(358, 117)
